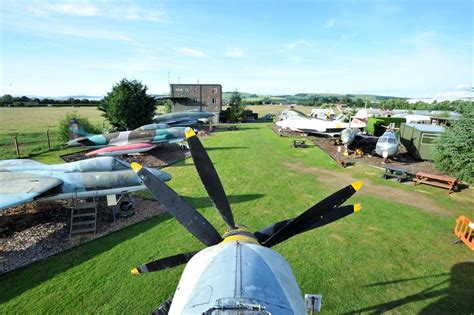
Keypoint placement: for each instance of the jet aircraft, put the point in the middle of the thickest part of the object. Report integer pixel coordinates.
(184, 119)
(298, 121)
(139, 140)
(238, 273)
(387, 145)
(22, 181)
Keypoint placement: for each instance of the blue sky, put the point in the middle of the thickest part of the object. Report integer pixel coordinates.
(401, 48)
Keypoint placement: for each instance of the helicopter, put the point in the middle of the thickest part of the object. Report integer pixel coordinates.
(238, 273)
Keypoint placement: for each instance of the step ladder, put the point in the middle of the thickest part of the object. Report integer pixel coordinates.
(84, 216)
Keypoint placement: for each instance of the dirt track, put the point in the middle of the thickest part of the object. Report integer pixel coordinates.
(339, 179)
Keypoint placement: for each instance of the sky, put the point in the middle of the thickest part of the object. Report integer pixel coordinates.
(400, 48)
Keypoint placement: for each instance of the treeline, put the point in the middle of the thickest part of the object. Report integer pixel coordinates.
(24, 101)
(460, 106)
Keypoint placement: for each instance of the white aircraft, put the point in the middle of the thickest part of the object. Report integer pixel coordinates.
(238, 273)
(387, 145)
(297, 121)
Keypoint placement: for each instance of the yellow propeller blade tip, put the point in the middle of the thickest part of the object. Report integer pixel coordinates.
(189, 132)
(357, 185)
(136, 167)
(135, 271)
(357, 207)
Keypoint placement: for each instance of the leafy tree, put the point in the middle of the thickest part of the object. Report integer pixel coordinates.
(454, 152)
(63, 130)
(236, 106)
(168, 105)
(128, 106)
(6, 100)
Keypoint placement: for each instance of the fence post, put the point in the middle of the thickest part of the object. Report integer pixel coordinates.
(49, 142)
(17, 147)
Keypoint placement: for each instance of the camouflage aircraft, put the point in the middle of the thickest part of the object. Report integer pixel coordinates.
(139, 140)
(23, 181)
(184, 119)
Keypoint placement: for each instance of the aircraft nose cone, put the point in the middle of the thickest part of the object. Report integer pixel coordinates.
(162, 175)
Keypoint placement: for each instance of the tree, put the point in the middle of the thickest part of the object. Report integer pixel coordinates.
(236, 107)
(128, 106)
(453, 152)
(168, 105)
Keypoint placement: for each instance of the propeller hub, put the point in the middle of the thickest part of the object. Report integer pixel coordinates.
(239, 234)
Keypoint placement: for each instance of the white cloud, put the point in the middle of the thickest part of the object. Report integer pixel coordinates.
(297, 43)
(235, 53)
(67, 8)
(191, 52)
(117, 10)
(464, 87)
(89, 33)
(329, 23)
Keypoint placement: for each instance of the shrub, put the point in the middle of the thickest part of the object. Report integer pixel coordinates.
(454, 153)
(63, 130)
(374, 124)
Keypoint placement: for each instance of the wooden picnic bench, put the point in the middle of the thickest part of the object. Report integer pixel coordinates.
(436, 180)
(401, 174)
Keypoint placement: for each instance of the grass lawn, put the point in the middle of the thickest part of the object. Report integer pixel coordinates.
(388, 257)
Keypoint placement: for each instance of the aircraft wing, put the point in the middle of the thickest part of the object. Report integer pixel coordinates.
(19, 163)
(123, 149)
(182, 122)
(17, 188)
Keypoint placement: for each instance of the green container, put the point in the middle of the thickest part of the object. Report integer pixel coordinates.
(419, 139)
(375, 124)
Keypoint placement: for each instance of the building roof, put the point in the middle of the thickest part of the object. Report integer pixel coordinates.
(427, 128)
(188, 84)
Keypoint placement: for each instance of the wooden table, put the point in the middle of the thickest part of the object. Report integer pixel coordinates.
(442, 181)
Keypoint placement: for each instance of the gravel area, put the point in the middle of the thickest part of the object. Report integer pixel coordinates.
(403, 159)
(34, 231)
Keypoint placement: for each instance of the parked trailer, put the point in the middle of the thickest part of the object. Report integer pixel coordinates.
(419, 139)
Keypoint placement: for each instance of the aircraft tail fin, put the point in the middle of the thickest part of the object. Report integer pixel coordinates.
(76, 130)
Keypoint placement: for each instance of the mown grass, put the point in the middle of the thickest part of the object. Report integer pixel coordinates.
(389, 257)
(31, 124)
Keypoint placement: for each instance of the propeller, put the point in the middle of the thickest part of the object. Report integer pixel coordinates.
(326, 211)
(179, 208)
(164, 263)
(209, 178)
(264, 234)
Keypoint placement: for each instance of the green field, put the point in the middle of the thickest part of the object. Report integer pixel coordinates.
(396, 255)
(31, 124)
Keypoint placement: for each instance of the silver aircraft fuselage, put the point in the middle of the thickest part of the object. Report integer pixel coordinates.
(26, 180)
(233, 277)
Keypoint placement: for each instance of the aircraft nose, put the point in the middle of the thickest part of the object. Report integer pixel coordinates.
(162, 175)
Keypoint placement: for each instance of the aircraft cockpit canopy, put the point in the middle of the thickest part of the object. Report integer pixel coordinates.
(390, 139)
(103, 164)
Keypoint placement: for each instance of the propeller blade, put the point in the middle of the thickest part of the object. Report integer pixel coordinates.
(179, 208)
(310, 217)
(264, 234)
(209, 178)
(163, 263)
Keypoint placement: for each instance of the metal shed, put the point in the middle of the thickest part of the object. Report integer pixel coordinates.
(419, 139)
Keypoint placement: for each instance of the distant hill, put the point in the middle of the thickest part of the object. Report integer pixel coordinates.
(304, 97)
